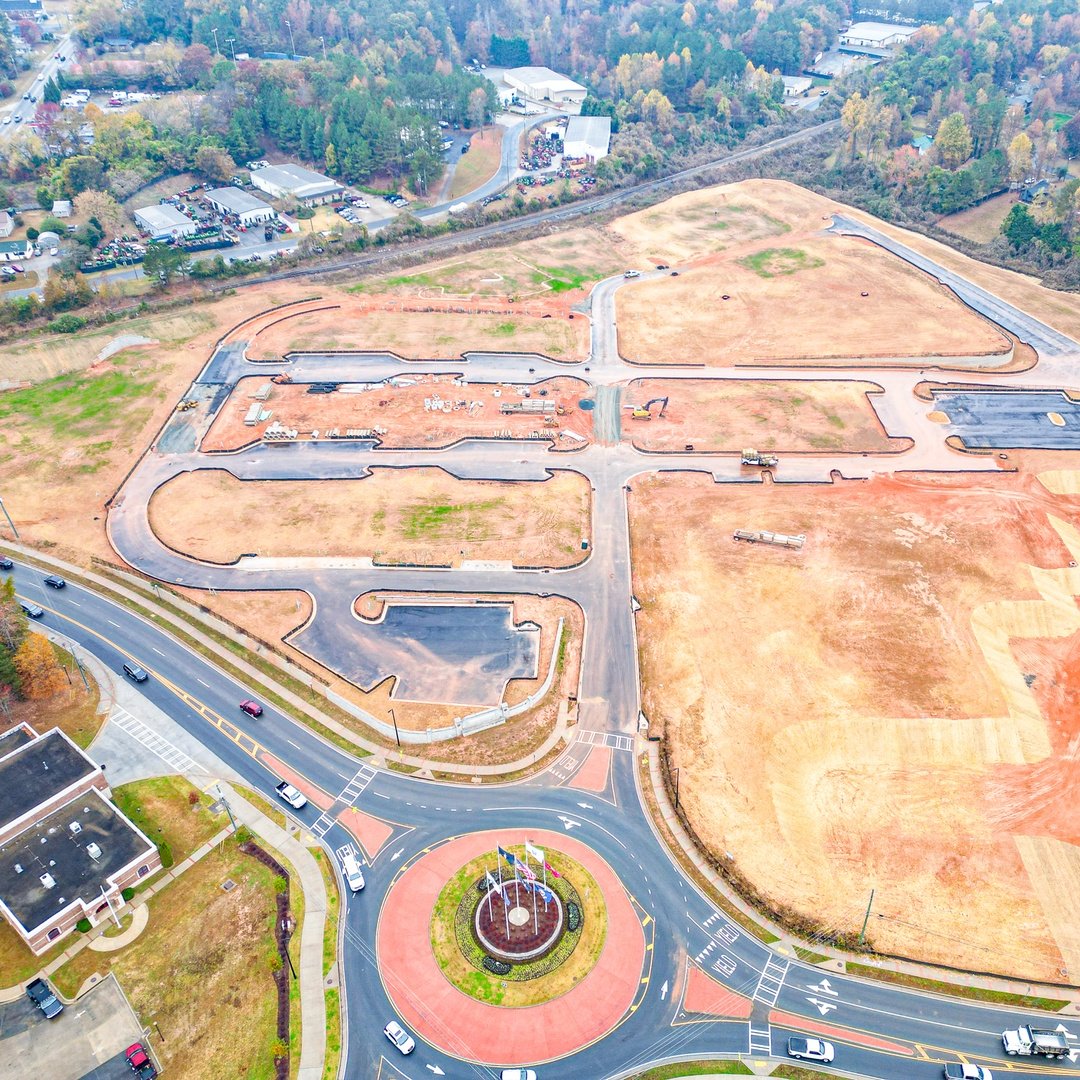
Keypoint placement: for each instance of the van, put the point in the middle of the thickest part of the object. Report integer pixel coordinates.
(350, 867)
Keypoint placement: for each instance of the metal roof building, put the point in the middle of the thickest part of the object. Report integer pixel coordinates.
(241, 204)
(294, 181)
(587, 137)
(161, 221)
(543, 84)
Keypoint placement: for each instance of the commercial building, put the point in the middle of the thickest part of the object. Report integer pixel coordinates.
(7, 223)
(66, 853)
(874, 36)
(543, 84)
(796, 85)
(295, 182)
(587, 137)
(14, 250)
(161, 222)
(244, 206)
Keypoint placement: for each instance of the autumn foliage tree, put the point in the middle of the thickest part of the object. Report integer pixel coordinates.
(40, 673)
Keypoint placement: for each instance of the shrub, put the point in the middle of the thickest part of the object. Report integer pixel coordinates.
(573, 916)
(496, 967)
(127, 894)
(66, 324)
(281, 885)
(193, 798)
(83, 926)
(166, 854)
(32, 233)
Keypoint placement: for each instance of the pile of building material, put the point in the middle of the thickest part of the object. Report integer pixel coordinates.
(765, 537)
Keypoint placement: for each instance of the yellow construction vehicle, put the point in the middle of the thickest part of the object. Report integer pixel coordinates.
(643, 412)
(185, 405)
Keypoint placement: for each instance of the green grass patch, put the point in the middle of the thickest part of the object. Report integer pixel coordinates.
(796, 1072)
(809, 956)
(560, 279)
(975, 993)
(503, 329)
(438, 520)
(675, 1070)
(163, 809)
(772, 262)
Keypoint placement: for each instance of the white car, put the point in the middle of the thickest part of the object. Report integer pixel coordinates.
(518, 1074)
(350, 867)
(399, 1037)
(631, 273)
(810, 1049)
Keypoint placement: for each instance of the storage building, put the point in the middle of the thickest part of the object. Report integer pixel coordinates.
(543, 84)
(234, 202)
(296, 182)
(587, 137)
(160, 222)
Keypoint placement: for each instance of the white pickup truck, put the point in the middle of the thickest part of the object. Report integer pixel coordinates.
(293, 797)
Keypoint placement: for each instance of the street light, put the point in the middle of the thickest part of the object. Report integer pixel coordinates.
(11, 523)
(292, 40)
(676, 772)
(231, 42)
(396, 735)
(213, 30)
(322, 41)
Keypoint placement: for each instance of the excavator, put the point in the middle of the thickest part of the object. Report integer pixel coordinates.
(643, 412)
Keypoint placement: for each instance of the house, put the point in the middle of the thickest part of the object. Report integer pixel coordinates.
(118, 44)
(61, 208)
(796, 85)
(163, 221)
(233, 202)
(66, 853)
(296, 182)
(543, 84)
(14, 250)
(7, 223)
(923, 144)
(22, 9)
(587, 137)
(1033, 193)
(874, 38)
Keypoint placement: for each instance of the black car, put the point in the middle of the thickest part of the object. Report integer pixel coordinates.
(31, 609)
(40, 993)
(133, 671)
(55, 582)
(5, 563)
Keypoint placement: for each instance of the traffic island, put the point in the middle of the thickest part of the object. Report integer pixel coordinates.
(578, 989)
(514, 945)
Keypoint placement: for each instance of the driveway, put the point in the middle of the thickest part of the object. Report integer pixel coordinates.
(87, 1039)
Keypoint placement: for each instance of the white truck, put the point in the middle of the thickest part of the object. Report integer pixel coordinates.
(293, 797)
(1028, 1041)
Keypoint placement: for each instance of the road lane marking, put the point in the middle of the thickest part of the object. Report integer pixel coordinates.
(116, 624)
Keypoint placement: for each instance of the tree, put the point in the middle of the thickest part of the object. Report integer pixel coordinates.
(478, 108)
(40, 673)
(102, 206)
(162, 262)
(953, 141)
(12, 619)
(80, 174)
(1071, 133)
(1019, 227)
(1021, 153)
(52, 92)
(852, 119)
(195, 64)
(214, 162)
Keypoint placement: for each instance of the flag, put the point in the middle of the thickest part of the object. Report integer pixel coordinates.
(526, 871)
(493, 884)
(534, 852)
(509, 856)
(551, 870)
(546, 894)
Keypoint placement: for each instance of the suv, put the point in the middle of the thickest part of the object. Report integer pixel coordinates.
(133, 671)
(399, 1037)
(40, 993)
(55, 582)
(140, 1062)
(32, 610)
(5, 563)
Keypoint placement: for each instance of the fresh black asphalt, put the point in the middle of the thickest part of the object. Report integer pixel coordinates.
(1012, 419)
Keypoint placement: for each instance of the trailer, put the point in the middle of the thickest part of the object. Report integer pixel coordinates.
(1028, 1041)
(765, 537)
(530, 407)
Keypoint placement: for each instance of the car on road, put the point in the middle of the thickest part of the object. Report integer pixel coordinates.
(41, 994)
(7, 119)
(958, 1071)
(32, 610)
(252, 708)
(133, 671)
(5, 563)
(631, 273)
(518, 1074)
(809, 1049)
(350, 867)
(55, 582)
(399, 1037)
(293, 796)
(140, 1062)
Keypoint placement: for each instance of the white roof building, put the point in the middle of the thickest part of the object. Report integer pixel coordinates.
(7, 223)
(543, 84)
(240, 204)
(164, 220)
(794, 85)
(876, 35)
(294, 181)
(587, 137)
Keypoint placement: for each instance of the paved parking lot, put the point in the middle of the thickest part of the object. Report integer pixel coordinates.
(87, 1040)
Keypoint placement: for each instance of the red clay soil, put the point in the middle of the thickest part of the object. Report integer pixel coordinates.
(471, 1030)
(831, 1031)
(593, 774)
(705, 995)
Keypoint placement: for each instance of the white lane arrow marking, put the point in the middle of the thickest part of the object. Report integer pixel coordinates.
(823, 987)
(1074, 1054)
(823, 1007)
(663, 991)
(569, 823)
(1065, 1031)
(397, 854)
(436, 1070)
(584, 806)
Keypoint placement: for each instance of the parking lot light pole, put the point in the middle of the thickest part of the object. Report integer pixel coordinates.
(292, 40)
(396, 735)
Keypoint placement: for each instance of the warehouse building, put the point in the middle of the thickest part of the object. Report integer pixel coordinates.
(796, 85)
(232, 202)
(291, 181)
(66, 853)
(874, 36)
(587, 137)
(164, 221)
(543, 84)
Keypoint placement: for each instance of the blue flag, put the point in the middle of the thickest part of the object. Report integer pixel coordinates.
(546, 894)
(508, 856)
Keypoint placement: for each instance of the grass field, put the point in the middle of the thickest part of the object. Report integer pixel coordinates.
(163, 809)
(480, 163)
(773, 261)
(983, 222)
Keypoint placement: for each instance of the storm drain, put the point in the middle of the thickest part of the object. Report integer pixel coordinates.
(228, 885)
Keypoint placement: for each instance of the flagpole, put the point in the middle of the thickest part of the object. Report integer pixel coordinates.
(506, 904)
(536, 918)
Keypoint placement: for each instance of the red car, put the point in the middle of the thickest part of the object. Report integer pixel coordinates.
(17, 268)
(252, 708)
(140, 1062)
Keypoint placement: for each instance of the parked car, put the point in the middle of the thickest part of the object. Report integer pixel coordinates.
(5, 563)
(252, 708)
(55, 582)
(140, 1062)
(41, 994)
(133, 671)
(17, 268)
(31, 610)
(809, 1049)
(399, 1037)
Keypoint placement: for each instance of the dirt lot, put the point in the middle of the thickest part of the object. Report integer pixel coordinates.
(882, 678)
(983, 222)
(426, 334)
(810, 310)
(401, 413)
(420, 516)
(720, 416)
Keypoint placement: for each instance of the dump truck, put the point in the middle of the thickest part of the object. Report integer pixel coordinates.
(754, 457)
(290, 794)
(1028, 1041)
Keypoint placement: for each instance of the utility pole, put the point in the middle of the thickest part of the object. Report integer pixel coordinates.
(866, 919)
(396, 735)
(11, 524)
(217, 51)
(231, 42)
(322, 41)
(78, 664)
(228, 809)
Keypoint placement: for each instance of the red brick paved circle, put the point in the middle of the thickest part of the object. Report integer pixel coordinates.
(471, 1030)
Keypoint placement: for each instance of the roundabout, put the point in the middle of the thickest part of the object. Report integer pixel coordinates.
(566, 987)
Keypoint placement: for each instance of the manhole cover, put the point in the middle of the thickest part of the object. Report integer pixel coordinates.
(228, 885)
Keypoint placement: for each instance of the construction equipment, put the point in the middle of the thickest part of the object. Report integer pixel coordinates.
(185, 405)
(550, 422)
(765, 537)
(531, 407)
(1028, 1041)
(753, 457)
(281, 377)
(644, 412)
